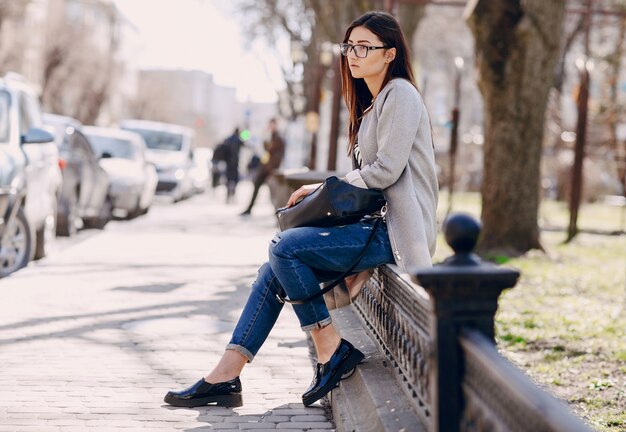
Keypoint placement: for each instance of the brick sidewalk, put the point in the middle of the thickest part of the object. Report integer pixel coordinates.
(93, 337)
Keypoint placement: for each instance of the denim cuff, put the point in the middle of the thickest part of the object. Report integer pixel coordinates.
(318, 325)
(241, 350)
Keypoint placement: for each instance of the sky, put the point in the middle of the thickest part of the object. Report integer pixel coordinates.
(195, 34)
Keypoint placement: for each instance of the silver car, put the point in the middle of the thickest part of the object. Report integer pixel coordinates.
(169, 149)
(123, 156)
(30, 175)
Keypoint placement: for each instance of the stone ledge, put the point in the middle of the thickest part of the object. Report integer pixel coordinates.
(372, 398)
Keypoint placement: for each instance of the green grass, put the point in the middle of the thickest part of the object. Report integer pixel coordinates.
(565, 321)
(552, 214)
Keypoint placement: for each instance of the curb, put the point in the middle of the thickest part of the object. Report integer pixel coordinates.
(372, 398)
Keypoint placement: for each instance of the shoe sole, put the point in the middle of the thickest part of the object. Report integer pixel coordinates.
(348, 374)
(234, 400)
(348, 368)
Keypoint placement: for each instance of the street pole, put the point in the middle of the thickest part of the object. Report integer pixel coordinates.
(335, 111)
(315, 109)
(454, 133)
(389, 6)
(581, 131)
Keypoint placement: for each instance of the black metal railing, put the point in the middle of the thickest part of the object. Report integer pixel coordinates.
(438, 333)
(437, 330)
(398, 315)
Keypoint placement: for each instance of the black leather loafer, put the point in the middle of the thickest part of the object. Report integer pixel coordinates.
(327, 375)
(226, 394)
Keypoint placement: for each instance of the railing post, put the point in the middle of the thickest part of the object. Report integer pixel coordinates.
(464, 293)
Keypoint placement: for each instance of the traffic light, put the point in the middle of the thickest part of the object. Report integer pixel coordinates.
(244, 135)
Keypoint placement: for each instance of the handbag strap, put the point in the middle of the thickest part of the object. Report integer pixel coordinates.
(338, 280)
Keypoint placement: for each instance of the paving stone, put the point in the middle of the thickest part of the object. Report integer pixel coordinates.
(113, 319)
(225, 426)
(254, 426)
(37, 429)
(276, 418)
(299, 411)
(305, 425)
(308, 418)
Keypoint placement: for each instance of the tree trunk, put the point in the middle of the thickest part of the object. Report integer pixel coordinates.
(517, 46)
(410, 16)
(615, 67)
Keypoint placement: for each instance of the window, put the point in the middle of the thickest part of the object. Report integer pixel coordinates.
(5, 120)
(115, 147)
(159, 140)
(82, 143)
(30, 113)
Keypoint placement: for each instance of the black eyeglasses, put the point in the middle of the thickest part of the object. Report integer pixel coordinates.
(359, 50)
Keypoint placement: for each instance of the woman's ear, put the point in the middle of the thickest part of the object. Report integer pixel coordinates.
(390, 55)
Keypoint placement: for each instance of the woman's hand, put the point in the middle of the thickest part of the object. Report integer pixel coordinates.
(301, 193)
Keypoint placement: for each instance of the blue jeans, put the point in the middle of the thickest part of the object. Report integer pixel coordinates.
(299, 260)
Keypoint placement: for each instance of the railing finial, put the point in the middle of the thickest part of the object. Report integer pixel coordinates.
(461, 232)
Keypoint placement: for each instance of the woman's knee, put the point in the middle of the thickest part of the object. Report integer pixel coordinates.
(281, 246)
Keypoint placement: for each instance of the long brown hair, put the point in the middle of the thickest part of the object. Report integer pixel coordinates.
(355, 92)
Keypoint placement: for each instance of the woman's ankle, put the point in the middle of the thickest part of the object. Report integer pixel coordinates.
(228, 368)
(325, 352)
(220, 377)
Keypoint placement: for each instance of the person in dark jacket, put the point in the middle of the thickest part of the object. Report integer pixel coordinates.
(271, 160)
(217, 164)
(233, 145)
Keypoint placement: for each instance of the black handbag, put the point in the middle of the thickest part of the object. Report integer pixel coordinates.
(335, 202)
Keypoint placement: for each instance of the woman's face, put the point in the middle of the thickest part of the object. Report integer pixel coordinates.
(376, 63)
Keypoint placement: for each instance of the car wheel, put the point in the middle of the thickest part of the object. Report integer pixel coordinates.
(136, 212)
(16, 252)
(66, 223)
(46, 234)
(106, 214)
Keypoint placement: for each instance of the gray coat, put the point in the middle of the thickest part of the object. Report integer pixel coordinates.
(396, 146)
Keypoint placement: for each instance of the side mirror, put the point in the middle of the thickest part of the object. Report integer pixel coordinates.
(36, 136)
(106, 155)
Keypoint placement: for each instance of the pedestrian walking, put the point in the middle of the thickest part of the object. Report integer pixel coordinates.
(271, 160)
(390, 145)
(218, 164)
(233, 145)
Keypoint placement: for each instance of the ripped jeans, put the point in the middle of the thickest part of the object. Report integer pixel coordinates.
(299, 260)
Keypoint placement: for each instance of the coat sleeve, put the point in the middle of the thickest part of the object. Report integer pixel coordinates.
(396, 131)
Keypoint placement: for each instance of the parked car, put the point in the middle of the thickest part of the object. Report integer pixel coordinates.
(169, 149)
(33, 148)
(133, 179)
(84, 196)
(30, 177)
(200, 173)
(15, 231)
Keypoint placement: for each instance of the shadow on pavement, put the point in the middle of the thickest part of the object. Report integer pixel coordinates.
(152, 288)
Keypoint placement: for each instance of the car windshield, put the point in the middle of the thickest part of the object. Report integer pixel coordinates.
(115, 147)
(160, 140)
(5, 124)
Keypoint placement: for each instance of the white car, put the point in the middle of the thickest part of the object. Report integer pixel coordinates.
(169, 149)
(123, 156)
(35, 156)
(200, 172)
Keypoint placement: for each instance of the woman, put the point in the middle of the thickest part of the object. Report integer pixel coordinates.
(391, 147)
